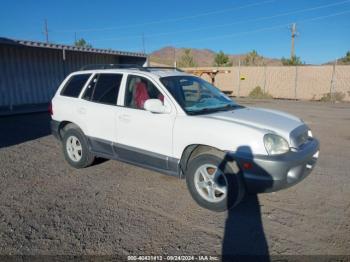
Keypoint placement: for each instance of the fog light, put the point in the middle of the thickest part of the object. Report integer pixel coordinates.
(295, 173)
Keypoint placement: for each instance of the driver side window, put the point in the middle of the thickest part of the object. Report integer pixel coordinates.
(138, 90)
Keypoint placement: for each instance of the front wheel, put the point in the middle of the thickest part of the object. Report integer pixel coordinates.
(214, 182)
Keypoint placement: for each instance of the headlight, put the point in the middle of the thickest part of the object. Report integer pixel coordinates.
(275, 144)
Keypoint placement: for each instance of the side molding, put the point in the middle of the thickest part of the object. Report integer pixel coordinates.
(136, 156)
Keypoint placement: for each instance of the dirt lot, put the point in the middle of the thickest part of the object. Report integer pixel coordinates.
(47, 207)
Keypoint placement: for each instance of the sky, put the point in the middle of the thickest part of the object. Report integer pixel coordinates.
(235, 27)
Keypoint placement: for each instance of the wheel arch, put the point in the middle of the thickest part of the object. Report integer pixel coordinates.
(193, 150)
(64, 125)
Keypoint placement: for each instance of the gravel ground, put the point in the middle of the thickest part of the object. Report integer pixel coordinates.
(47, 207)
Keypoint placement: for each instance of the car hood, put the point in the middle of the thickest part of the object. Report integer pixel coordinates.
(267, 119)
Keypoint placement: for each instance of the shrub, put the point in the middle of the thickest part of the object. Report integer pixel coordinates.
(222, 60)
(336, 96)
(295, 60)
(187, 59)
(258, 93)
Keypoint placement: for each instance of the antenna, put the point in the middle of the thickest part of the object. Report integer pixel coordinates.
(46, 31)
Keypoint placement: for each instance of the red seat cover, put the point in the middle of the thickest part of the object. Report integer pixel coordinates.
(141, 95)
(161, 97)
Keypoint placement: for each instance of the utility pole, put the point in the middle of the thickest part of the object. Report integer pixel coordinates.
(332, 89)
(46, 31)
(239, 78)
(175, 64)
(293, 30)
(264, 78)
(75, 37)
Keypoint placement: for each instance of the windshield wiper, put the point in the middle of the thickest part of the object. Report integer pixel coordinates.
(213, 110)
(231, 106)
(201, 111)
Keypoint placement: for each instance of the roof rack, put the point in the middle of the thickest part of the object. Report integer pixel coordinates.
(110, 66)
(128, 66)
(162, 68)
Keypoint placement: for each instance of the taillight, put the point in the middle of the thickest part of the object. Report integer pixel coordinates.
(50, 109)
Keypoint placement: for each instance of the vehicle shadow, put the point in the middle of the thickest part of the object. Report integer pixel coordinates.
(16, 129)
(244, 236)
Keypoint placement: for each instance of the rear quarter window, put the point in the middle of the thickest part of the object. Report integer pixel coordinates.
(74, 85)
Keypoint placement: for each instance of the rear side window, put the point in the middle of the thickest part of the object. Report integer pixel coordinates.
(104, 89)
(74, 85)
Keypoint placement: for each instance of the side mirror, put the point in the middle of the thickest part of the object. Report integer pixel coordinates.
(155, 106)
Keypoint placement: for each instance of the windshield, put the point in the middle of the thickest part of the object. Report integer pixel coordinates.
(197, 96)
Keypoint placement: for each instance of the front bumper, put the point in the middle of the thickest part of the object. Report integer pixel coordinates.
(273, 173)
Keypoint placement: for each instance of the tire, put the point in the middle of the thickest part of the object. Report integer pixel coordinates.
(223, 173)
(80, 155)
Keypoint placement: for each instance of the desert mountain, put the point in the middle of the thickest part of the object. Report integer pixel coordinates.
(202, 57)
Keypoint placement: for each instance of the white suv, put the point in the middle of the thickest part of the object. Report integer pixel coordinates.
(178, 124)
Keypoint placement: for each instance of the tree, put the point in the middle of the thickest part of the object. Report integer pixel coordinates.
(187, 59)
(222, 60)
(82, 43)
(294, 60)
(346, 58)
(252, 58)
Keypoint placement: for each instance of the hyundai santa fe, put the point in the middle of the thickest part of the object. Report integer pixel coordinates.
(178, 124)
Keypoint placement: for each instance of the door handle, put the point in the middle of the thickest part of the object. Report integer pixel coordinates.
(124, 118)
(82, 110)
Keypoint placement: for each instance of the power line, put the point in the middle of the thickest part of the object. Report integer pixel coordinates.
(257, 30)
(273, 27)
(262, 29)
(227, 24)
(167, 20)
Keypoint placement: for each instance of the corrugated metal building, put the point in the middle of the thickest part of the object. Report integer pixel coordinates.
(30, 72)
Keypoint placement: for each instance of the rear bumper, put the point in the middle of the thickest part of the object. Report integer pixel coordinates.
(55, 129)
(273, 173)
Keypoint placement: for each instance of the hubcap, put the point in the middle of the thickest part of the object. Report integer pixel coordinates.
(211, 183)
(74, 149)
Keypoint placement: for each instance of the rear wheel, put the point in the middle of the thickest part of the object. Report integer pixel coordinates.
(214, 182)
(75, 148)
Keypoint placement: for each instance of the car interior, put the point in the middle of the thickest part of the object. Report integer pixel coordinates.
(139, 90)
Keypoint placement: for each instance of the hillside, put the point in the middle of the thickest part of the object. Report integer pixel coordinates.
(202, 57)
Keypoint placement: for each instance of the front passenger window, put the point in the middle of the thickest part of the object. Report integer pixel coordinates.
(138, 90)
